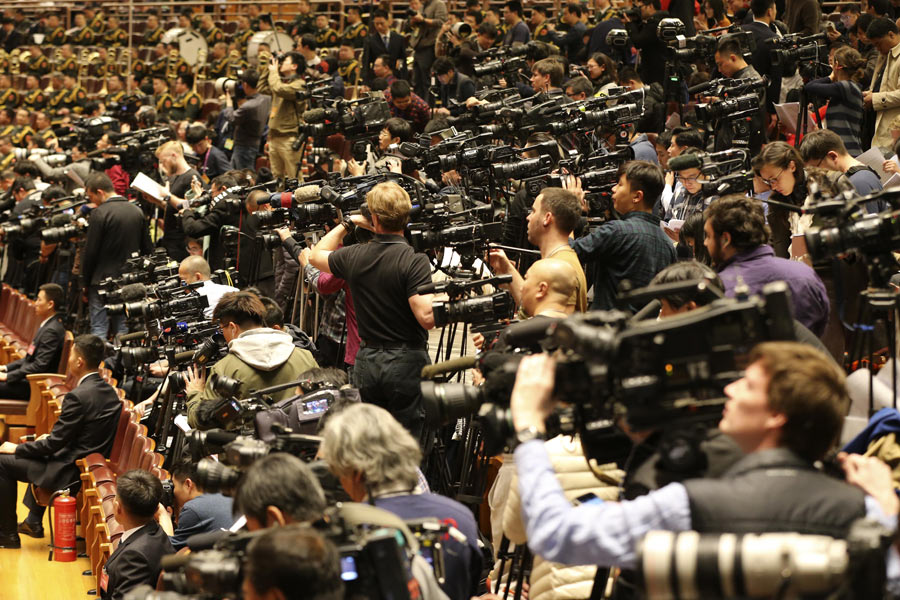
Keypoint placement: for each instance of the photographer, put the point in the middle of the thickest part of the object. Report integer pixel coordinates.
(194, 269)
(219, 215)
(292, 563)
(213, 161)
(455, 88)
(249, 121)
(571, 43)
(737, 239)
(764, 29)
(393, 318)
(426, 18)
(553, 217)
(138, 557)
(376, 460)
(785, 413)
(634, 247)
(845, 99)
(179, 177)
(258, 356)
(198, 511)
(283, 80)
(277, 490)
(80, 168)
(394, 132)
(115, 231)
(406, 104)
(24, 251)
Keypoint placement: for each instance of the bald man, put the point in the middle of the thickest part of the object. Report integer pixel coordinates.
(195, 268)
(547, 287)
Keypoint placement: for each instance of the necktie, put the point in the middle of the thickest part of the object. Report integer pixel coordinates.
(386, 40)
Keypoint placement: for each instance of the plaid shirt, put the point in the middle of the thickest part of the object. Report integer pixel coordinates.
(418, 113)
(633, 248)
(331, 325)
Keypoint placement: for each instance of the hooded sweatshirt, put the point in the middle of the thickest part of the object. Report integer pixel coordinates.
(259, 358)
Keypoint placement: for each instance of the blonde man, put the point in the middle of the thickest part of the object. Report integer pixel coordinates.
(179, 176)
(393, 318)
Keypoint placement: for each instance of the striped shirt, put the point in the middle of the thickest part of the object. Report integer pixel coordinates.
(845, 109)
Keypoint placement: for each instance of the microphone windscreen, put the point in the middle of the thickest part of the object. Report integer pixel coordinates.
(685, 161)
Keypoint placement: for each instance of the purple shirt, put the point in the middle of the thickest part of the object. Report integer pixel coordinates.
(760, 266)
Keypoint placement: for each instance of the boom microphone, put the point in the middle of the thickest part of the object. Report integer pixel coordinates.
(685, 161)
(448, 366)
(314, 115)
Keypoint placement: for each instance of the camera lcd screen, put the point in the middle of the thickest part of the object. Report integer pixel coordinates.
(348, 569)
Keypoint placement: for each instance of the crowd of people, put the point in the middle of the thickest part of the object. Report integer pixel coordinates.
(708, 169)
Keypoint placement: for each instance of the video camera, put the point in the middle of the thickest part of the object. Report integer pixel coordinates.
(654, 374)
(477, 310)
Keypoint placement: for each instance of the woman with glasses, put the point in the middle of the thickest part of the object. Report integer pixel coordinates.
(780, 167)
(602, 72)
(845, 99)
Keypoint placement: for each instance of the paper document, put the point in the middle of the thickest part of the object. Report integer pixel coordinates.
(674, 224)
(142, 183)
(874, 159)
(893, 181)
(788, 113)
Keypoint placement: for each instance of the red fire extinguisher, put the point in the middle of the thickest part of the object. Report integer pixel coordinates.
(62, 524)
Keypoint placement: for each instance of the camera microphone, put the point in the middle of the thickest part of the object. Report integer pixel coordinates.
(314, 115)
(685, 161)
(307, 193)
(133, 291)
(449, 366)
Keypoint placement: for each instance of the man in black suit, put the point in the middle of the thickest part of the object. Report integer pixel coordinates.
(90, 413)
(645, 39)
(116, 230)
(455, 88)
(44, 352)
(383, 41)
(137, 559)
(763, 13)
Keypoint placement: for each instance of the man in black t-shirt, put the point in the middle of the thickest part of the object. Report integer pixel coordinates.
(384, 275)
(179, 177)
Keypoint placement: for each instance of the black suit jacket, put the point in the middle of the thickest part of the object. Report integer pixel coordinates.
(90, 415)
(43, 354)
(374, 47)
(136, 561)
(116, 229)
(762, 60)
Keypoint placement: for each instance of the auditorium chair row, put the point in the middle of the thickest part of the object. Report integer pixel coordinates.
(132, 449)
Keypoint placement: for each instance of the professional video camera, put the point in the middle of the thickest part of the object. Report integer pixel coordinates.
(768, 565)
(477, 310)
(143, 269)
(86, 131)
(804, 50)
(360, 120)
(656, 374)
(614, 116)
(63, 211)
(727, 171)
(134, 150)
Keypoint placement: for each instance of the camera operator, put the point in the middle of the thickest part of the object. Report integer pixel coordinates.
(517, 31)
(426, 18)
(579, 88)
(393, 319)
(731, 64)
(249, 121)
(394, 132)
(406, 104)
(455, 88)
(282, 80)
(44, 352)
(137, 559)
(468, 53)
(258, 356)
(277, 490)
(642, 25)
(377, 462)
(87, 424)
(179, 176)
(24, 251)
(654, 118)
(785, 413)
(634, 247)
(213, 161)
(198, 511)
(195, 269)
(882, 96)
(547, 76)
(292, 563)
(115, 231)
(825, 148)
(219, 215)
(554, 216)
(80, 167)
(737, 239)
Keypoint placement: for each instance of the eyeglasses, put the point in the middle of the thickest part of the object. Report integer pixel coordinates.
(771, 182)
(684, 179)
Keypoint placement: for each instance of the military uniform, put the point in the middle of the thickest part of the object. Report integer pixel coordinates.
(57, 37)
(237, 65)
(7, 160)
(97, 23)
(186, 106)
(303, 24)
(157, 67)
(355, 35)
(47, 135)
(34, 100)
(152, 37)
(38, 66)
(542, 33)
(74, 99)
(349, 71)
(139, 69)
(21, 135)
(243, 38)
(326, 38)
(55, 101)
(115, 97)
(213, 35)
(163, 103)
(83, 37)
(9, 98)
(218, 67)
(115, 38)
(69, 67)
(7, 130)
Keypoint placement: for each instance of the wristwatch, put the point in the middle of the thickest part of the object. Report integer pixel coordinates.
(348, 225)
(529, 433)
